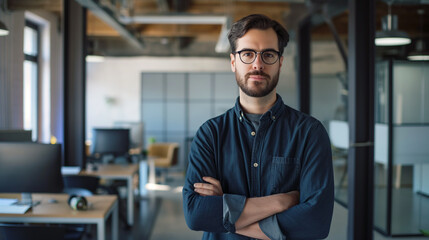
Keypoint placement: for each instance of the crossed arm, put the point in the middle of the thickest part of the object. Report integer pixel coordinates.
(255, 209)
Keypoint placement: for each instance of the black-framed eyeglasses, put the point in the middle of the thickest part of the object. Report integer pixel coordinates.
(248, 56)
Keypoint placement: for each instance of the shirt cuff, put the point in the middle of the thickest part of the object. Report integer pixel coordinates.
(233, 205)
(270, 227)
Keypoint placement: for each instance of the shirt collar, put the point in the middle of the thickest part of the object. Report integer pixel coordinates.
(273, 113)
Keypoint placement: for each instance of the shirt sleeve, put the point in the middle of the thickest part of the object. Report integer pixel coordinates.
(202, 213)
(311, 218)
(233, 205)
(270, 227)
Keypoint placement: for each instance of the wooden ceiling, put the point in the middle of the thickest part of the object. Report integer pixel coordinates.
(199, 39)
(277, 10)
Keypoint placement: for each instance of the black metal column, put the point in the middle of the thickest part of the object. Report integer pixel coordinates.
(74, 83)
(304, 65)
(361, 119)
(389, 148)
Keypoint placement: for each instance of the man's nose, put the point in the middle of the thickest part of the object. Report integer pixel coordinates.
(258, 64)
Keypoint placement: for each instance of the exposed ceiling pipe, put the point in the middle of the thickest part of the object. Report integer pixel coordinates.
(111, 21)
(222, 44)
(174, 19)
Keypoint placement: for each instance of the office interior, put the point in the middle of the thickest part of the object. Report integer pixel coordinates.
(165, 69)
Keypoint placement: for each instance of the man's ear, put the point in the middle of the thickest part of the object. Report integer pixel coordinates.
(281, 61)
(232, 56)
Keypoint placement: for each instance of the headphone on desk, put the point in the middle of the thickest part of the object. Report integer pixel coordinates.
(77, 202)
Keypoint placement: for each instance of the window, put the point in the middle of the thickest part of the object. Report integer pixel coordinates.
(31, 77)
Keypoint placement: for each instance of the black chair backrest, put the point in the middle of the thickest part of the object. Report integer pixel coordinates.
(33, 232)
(90, 183)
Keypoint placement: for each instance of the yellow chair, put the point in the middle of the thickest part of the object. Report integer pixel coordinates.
(165, 155)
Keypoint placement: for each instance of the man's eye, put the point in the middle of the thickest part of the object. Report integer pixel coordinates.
(269, 55)
(247, 54)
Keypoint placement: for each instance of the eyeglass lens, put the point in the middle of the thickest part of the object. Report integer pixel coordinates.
(248, 56)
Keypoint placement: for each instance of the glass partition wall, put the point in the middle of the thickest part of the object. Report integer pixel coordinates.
(401, 144)
(329, 101)
(401, 193)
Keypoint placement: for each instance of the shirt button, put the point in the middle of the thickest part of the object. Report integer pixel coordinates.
(253, 133)
(274, 117)
(255, 165)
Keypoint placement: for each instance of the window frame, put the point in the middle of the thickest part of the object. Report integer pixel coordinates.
(35, 60)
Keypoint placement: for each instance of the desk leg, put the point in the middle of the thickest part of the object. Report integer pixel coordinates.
(152, 174)
(143, 177)
(130, 205)
(101, 230)
(115, 224)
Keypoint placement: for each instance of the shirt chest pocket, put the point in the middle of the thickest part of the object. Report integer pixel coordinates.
(285, 174)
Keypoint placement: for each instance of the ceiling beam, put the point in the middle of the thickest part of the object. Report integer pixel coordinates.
(49, 5)
(111, 21)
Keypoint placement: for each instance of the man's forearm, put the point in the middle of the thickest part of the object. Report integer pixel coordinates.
(258, 208)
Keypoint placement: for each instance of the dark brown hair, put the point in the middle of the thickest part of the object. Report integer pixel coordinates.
(257, 21)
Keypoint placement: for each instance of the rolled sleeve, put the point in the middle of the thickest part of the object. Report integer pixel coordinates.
(270, 227)
(233, 205)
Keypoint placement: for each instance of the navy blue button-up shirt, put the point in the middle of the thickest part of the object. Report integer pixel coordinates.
(289, 151)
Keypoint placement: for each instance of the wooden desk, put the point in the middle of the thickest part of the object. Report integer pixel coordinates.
(100, 209)
(118, 172)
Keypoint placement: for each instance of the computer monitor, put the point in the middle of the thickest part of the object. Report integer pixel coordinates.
(115, 141)
(136, 132)
(15, 135)
(30, 168)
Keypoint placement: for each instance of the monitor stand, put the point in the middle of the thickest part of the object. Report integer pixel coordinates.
(26, 199)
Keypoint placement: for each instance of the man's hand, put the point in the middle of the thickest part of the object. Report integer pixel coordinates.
(211, 188)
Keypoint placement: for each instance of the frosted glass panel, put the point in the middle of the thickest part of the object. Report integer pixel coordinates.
(225, 86)
(153, 116)
(199, 86)
(176, 86)
(411, 92)
(198, 114)
(176, 117)
(326, 98)
(152, 86)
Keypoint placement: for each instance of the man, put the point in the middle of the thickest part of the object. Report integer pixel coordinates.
(262, 169)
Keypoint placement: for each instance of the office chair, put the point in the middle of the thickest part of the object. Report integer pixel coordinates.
(89, 183)
(165, 155)
(34, 232)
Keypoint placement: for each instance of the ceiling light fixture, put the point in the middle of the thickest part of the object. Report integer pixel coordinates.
(390, 36)
(3, 29)
(420, 53)
(93, 56)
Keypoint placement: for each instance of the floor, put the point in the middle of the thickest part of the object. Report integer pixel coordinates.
(160, 217)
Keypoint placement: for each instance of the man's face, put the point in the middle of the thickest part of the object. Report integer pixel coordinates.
(256, 79)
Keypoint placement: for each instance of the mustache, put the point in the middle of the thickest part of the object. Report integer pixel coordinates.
(257, 72)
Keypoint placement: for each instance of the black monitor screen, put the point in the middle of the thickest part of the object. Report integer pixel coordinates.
(30, 168)
(110, 141)
(15, 135)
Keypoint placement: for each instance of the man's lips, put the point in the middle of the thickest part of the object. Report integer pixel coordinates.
(257, 78)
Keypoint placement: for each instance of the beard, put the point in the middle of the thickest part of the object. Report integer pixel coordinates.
(259, 89)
